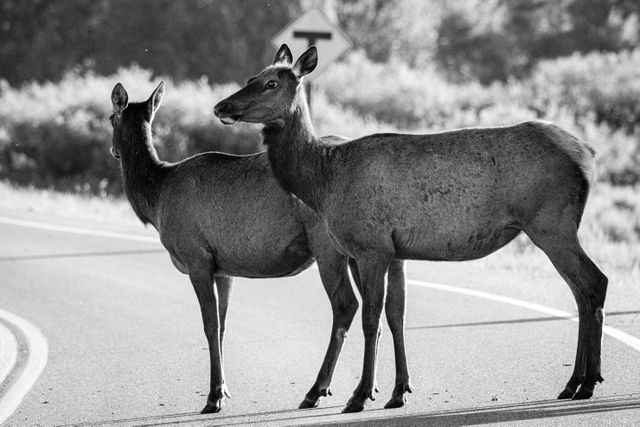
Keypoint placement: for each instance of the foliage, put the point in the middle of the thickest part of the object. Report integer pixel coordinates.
(183, 39)
(604, 87)
(594, 96)
(479, 40)
(397, 94)
(496, 40)
(58, 134)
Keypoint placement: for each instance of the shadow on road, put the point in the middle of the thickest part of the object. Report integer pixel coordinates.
(473, 416)
(506, 413)
(507, 322)
(80, 255)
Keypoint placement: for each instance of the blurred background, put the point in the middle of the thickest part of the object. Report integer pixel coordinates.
(416, 66)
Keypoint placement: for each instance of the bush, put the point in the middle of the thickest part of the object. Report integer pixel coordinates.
(405, 97)
(58, 135)
(595, 97)
(604, 87)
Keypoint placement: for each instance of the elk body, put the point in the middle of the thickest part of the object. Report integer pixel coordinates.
(457, 195)
(222, 215)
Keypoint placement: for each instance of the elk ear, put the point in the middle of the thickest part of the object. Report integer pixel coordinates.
(306, 63)
(155, 99)
(283, 56)
(119, 98)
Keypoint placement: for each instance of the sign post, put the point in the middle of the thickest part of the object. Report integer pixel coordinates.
(313, 28)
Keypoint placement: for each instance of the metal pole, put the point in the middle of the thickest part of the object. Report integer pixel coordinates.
(307, 86)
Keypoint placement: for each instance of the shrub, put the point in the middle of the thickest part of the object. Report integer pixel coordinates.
(602, 86)
(57, 135)
(397, 94)
(595, 97)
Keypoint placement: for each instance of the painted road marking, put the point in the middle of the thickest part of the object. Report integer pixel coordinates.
(8, 352)
(38, 344)
(35, 363)
(78, 230)
(623, 337)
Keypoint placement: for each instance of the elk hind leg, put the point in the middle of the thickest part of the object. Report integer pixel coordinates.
(589, 286)
(395, 311)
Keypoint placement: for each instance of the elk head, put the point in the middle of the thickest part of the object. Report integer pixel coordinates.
(124, 113)
(271, 95)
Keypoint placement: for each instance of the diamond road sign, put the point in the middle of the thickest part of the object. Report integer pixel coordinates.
(314, 28)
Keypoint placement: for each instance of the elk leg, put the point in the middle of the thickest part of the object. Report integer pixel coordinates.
(344, 304)
(356, 278)
(202, 281)
(372, 272)
(223, 285)
(589, 286)
(395, 311)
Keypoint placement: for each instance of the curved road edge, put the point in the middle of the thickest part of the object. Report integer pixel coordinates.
(36, 360)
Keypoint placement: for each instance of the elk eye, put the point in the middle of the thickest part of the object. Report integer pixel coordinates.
(271, 84)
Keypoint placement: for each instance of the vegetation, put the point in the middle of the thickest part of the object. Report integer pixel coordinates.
(57, 134)
(416, 66)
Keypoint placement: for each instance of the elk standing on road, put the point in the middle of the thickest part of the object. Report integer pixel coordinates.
(457, 195)
(222, 215)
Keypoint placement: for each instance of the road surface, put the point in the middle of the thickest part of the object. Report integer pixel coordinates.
(126, 347)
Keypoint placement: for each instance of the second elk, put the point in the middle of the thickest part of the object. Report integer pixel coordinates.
(457, 195)
(221, 215)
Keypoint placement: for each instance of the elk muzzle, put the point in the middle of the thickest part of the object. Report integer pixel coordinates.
(224, 111)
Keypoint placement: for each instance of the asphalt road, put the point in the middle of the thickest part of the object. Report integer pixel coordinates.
(126, 347)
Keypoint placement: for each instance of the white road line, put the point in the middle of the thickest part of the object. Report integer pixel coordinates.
(35, 363)
(8, 352)
(623, 337)
(77, 230)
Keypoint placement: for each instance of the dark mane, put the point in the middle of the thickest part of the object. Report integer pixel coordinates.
(142, 171)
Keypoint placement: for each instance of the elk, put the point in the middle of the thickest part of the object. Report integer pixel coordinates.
(221, 215)
(456, 195)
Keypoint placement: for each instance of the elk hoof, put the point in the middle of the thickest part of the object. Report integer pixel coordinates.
(215, 401)
(583, 393)
(309, 402)
(395, 402)
(398, 398)
(353, 405)
(566, 394)
(312, 399)
(358, 400)
(212, 407)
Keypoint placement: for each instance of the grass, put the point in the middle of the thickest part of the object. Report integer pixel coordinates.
(50, 203)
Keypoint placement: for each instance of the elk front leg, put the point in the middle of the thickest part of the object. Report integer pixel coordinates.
(202, 281)
(372, 273)
(395, 311)
(223, 285)
(344, 304)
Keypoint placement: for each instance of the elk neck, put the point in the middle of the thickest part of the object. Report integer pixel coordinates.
(297, 155)
(142, 171)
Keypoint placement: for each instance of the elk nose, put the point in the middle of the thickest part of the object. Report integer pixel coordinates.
(223, 107)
